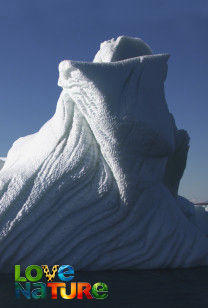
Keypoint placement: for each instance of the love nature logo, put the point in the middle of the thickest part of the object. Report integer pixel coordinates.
(30, 286)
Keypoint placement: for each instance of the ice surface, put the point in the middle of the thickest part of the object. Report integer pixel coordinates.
(96, 186)
(2, 161)
(122, 48)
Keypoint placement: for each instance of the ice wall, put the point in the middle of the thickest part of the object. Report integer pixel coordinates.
(2, 161)
(96, 186)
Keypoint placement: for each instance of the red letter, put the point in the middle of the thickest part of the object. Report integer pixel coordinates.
(86, 291)
(54, 286)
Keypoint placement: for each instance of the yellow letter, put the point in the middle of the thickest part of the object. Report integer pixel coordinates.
(73, 292)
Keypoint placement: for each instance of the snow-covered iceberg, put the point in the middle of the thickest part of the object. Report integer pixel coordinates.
(96, 186)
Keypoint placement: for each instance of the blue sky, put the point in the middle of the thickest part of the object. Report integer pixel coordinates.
(36, 35)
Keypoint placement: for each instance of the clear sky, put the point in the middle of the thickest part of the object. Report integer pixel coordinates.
(36, 35)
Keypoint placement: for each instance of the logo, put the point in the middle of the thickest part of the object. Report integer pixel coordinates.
(30, 286)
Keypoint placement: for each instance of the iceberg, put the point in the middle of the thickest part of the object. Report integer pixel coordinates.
(97, 186)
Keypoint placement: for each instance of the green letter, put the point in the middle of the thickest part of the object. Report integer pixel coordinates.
(39, 273)
(39, 292)
(17, 274)
(100, 290)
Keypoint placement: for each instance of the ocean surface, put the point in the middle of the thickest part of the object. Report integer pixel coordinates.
(185, 288)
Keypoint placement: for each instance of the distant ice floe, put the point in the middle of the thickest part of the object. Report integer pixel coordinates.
(97, 186)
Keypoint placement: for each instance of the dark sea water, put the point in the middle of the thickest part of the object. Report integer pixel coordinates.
(185, 288)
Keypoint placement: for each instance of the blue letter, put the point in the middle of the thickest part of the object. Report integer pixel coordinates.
(66, 272)
(19, 289)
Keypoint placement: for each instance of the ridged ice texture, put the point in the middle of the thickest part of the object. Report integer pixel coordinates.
(2, 161)
(88, 188)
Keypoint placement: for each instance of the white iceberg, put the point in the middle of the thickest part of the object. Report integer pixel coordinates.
(96, 186)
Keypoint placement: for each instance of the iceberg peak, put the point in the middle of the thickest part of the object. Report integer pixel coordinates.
(122, 48)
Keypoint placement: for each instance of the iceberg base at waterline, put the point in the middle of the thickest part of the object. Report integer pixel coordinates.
(97, 186)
